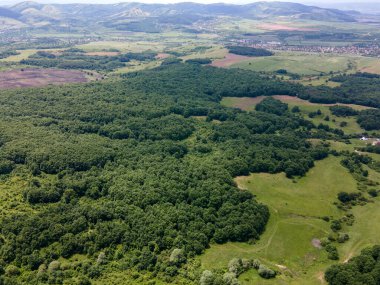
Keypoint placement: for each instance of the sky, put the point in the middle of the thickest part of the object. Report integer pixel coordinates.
(199, 1)
(365, 6)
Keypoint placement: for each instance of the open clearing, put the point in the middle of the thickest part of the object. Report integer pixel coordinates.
(294, 223)
(34, 77)
(123, 46)
(310, 64)
(287, 244)
(249, 103)
(229, 60)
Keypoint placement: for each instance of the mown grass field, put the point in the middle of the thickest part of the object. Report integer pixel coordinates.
(295, 208)
(134, 66)
(248, 104)
(213, 52)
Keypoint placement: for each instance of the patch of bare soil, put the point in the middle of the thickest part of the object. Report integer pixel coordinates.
(278, 27)
(35, 77)
(316, 243)
(229, 60)
(162, 55)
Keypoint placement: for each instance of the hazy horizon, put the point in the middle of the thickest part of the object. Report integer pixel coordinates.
(314, 2)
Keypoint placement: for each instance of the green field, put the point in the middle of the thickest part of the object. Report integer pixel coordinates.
(123, 46)
(309, 63)
(295, 209)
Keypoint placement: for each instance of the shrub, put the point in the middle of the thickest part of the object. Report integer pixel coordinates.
(266, 272)
(343, 237)
(177, 256)
(207, 278)
(229, 278)
(54, 266)
(336, 225)
(12, 270)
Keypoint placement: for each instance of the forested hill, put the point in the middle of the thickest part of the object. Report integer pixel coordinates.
(136, 178)
(32, 13)
(355, 89)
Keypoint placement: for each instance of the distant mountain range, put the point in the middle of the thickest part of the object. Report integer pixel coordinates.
(149, 17)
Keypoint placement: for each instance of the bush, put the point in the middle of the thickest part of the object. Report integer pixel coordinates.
(332, 252)
(342, 237)
(12, 271)
(374, 193)
(235, 266)
(177, 257)
(266, 273)
(336, 225)
(54, 266)
(207, 278)
(229, 278)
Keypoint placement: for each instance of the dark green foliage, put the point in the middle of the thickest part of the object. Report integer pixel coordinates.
(282, 71)
(214, 83)
(369, 119)
(266, 272)
(171, 61)
(343, 111)
(296, 109)
(336, 225)
(77, 59)
(272, 106)
(363, 269)
(345, 197)
(332, 252)
(249, 51)
(354, 89)
(131, 170)
(315, 114)
(372, 148)
(5, 54)
(199, 61)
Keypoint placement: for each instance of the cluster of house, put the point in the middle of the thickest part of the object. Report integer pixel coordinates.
(363, 50)
(373, 141)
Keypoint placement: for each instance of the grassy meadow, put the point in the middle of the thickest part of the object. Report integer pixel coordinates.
(296, 208)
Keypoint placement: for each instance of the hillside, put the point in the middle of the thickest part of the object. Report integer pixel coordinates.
(121, 15)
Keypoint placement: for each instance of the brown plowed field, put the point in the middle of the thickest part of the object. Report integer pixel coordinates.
(34, 77)
(229, 60)
(277, 27)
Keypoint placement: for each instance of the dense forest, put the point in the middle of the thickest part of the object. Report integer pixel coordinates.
(357, 88)
(249, 51)
(5, 54)
(102, 163)
(78, 59)
(362, 269)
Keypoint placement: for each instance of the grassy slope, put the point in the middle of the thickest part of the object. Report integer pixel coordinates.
(294, 223)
